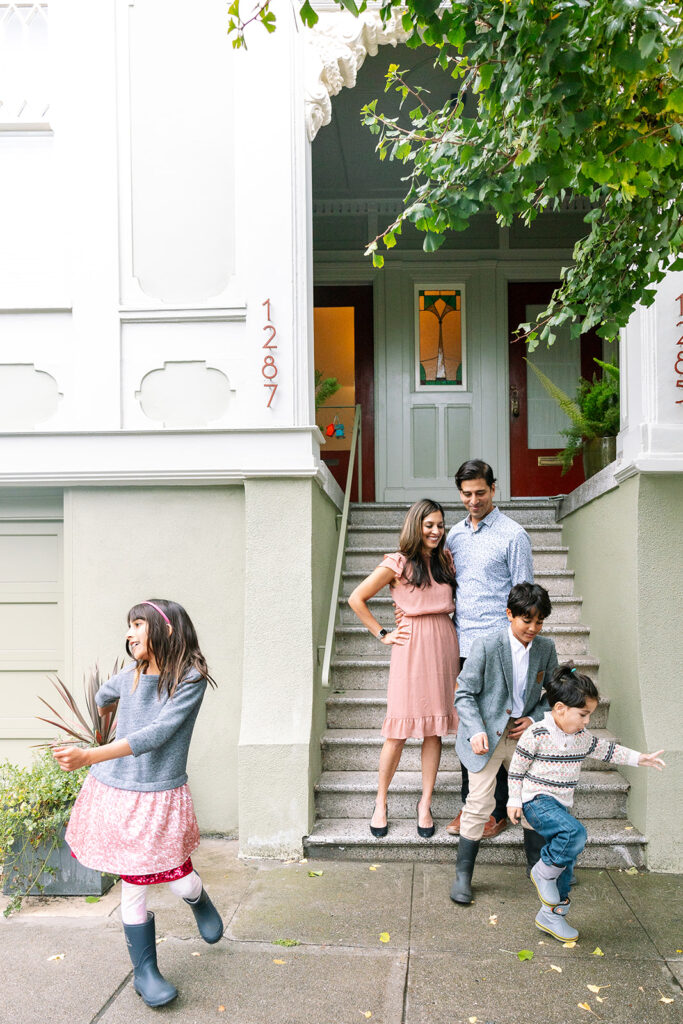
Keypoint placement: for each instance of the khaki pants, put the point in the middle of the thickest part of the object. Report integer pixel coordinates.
(481, 799)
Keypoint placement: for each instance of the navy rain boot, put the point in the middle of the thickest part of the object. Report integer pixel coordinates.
(148, 982)
(207, 917)
(461, 889)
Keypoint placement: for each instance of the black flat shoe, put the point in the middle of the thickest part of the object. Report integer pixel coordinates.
(424, 833)
(379, 832)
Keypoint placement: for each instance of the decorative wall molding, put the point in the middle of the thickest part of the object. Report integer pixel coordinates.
(335, 51)
(389, 207)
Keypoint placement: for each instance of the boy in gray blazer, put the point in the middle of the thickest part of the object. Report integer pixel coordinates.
(499, 695)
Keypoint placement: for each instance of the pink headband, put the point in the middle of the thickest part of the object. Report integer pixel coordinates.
(157, 608)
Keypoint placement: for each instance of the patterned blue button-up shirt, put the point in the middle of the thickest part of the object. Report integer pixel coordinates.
(488, 561)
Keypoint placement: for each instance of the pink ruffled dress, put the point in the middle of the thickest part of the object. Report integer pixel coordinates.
(423, 672)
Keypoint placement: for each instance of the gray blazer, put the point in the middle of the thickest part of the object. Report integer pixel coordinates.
(484, 695)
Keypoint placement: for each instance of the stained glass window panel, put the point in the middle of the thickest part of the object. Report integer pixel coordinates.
(440, 337)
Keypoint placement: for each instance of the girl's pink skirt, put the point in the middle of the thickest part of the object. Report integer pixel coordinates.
(125, 832)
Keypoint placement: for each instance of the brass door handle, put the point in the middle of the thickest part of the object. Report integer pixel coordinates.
(514, 401)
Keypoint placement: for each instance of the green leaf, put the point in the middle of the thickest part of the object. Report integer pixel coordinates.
(525, 954)
(484, 78)
(308, 15)
(314, 874)
(92, 899)
(285, 942)
(674, 100)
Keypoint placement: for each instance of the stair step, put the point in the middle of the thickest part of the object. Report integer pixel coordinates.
(352, 794)
(365, 559)
(558, 582)
(393, 513)
(386, 535)
(356, 750)
(565, 610)
(365, 709)
(612, 843)
(358, 673)
(356, 640)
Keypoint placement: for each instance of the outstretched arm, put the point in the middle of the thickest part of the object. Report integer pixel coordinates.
(71, 758)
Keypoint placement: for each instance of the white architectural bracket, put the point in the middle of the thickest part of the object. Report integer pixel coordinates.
(335, 51)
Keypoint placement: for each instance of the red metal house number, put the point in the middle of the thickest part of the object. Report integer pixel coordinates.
(269, 369)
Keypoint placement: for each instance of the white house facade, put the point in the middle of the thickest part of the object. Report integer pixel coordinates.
(182, 248)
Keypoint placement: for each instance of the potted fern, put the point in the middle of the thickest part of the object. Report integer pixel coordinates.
(36, 802)
(594, 415)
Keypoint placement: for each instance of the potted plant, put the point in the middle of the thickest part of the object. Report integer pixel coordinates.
(594, 415)
(36, 802)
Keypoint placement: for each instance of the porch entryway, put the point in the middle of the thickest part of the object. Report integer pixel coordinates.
(356, 706)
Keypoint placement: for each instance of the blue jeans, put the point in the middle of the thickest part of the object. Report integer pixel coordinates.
(566, 836)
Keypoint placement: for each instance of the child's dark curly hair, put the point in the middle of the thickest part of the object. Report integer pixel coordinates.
(570, 687)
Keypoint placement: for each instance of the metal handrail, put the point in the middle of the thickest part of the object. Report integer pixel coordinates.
(341, 543)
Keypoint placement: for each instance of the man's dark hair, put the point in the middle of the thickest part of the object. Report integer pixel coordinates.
(525, 598)
(473, 469)
(569, 686)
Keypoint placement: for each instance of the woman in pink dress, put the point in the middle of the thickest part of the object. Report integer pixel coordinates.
(424, 653)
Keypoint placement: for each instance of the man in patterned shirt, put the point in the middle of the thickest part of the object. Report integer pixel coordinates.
(491, 553)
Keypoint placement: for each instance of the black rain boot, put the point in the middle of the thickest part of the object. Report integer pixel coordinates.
(147, 980)
(207, 917)
(533, 844)
(461, 890)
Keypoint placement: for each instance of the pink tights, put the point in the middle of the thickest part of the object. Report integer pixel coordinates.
(134, 897)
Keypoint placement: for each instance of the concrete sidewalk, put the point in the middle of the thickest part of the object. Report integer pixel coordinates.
(383, 944)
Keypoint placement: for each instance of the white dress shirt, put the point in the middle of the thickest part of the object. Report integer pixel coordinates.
(520, 670)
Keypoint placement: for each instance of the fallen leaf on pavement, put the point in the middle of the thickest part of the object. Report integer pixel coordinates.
(584, 1006)
(162, 939)
(314, 874)
(92, 899)
(596, 988)
(285, 942)
(554, 968)
(304, 860)
(279, 962)
(570, 944)
(384, 937)
(493, 919)
(367, 1014)
(599, 999)
(597, 952)
(628, 828)
(221, 1009)
(525, 954)
(196, 954)
(631, 871)
(664, 998)
(57, 956)
(472, 1020)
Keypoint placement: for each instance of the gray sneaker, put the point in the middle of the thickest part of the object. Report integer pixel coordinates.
(549, 920)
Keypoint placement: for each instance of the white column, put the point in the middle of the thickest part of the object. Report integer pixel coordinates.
(651, 438)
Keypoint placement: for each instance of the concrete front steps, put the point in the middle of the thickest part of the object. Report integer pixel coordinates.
(356, 706)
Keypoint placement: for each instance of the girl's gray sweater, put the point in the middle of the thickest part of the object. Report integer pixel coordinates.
(158, 731)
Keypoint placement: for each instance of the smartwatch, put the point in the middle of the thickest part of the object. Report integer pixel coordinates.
(382, 633)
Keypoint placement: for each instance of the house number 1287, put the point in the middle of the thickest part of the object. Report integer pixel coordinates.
(269, 369)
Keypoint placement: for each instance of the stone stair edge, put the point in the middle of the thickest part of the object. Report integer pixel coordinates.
(601, 832)
(403, 782)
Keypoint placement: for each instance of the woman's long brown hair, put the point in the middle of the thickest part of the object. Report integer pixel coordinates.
(177, 652)
(410, 545)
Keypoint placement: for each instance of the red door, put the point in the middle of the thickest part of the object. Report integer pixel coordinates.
(534, 417)
(344, 348)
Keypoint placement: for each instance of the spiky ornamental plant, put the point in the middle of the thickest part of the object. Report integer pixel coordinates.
(593, 413)
(92, 729)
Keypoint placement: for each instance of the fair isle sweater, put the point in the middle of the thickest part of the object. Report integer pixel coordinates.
(548, 760)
